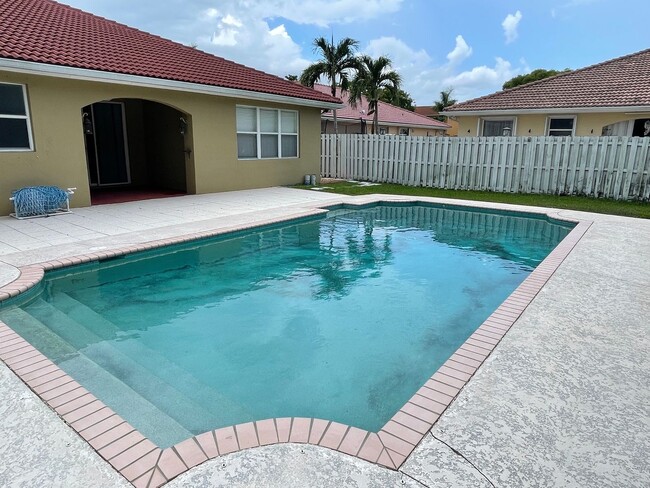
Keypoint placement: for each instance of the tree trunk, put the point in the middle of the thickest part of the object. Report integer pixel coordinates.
(375, 120)
(333, 88)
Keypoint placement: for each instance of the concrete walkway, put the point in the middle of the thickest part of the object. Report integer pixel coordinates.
(563, 401)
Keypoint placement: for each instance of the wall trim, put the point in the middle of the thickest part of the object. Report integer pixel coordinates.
(57, 71)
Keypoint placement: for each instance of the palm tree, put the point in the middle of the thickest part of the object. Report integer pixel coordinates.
(444, 102)
(336, 63)
(374, 77)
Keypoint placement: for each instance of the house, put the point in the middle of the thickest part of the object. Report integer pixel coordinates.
(430, 112)
(89, 103)
(392, 119)
(610, 99)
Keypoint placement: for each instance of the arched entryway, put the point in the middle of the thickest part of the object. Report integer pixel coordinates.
(136, 149)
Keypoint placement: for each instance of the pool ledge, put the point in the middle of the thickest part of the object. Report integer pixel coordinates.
(144, 464)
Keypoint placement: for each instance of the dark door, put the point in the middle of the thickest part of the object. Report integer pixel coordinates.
(106, 144)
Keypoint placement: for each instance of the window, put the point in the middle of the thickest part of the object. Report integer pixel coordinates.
(382, 131)
(404, 131)
(561, 126)
(641, 128)
(15, 133)
(623, 128)
(498, 127)
(264, 133)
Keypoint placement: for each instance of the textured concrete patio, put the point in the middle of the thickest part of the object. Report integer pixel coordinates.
(564, 400)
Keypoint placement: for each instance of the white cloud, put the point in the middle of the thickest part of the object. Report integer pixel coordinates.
(475, 82)
(280, 31)
(241, 30)
(250, 32)
(225, 37)
(249, 40)
(246, 31)
(227, 30)
(323, 12)
(424, 80)
(401, 55)
(510, 24)
(209, 14)
(482, 77)
(460, 52)
(283, 55)
(232, 21)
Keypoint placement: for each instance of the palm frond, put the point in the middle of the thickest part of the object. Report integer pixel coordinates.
(373, 77)
(312, 73)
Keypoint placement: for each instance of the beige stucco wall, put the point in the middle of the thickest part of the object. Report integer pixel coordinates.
(59, 154)
(420, 132)
(453, 130)
(587, 124)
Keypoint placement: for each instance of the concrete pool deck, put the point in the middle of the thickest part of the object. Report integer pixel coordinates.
(562, 401)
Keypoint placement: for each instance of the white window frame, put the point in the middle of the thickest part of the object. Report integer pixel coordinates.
(25, 117)
(481, 120)
(258, 132)
(552, 117)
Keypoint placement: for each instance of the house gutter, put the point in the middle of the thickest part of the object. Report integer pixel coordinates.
(567, 110)
(57, 71)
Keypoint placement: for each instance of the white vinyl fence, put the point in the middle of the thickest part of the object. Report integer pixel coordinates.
(611, 167)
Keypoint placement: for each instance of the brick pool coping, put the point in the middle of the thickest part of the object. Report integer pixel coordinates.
(144, 464)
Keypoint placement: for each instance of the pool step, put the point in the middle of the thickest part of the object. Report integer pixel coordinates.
(35, 332)
(167, 398)
(224, 411)
(124, 400)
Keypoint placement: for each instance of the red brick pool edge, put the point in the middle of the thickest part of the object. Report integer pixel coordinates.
(144, 464)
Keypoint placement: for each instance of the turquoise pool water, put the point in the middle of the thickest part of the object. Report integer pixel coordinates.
(341, 318)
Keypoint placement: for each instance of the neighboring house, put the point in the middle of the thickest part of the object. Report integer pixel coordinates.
(432, 113)
(610, 98)
(392, 120)
(86, 102)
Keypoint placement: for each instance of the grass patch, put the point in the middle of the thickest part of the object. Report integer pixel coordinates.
(585, 204)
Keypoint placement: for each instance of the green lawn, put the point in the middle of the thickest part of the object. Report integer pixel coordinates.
(586, 204)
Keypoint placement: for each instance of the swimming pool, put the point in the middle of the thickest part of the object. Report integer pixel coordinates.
(340, 318)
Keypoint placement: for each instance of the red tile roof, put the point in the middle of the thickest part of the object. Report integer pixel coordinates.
(426, 110)
(388, 114)
(44, 31)
(620, 82)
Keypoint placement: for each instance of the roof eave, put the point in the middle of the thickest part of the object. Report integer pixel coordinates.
(387, 122)
(58, 71)
(563, 110)
(415, 126)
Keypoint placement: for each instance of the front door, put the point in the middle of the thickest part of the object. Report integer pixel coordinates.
(106, 144)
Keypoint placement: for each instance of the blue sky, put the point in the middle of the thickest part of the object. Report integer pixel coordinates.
(472, 46)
